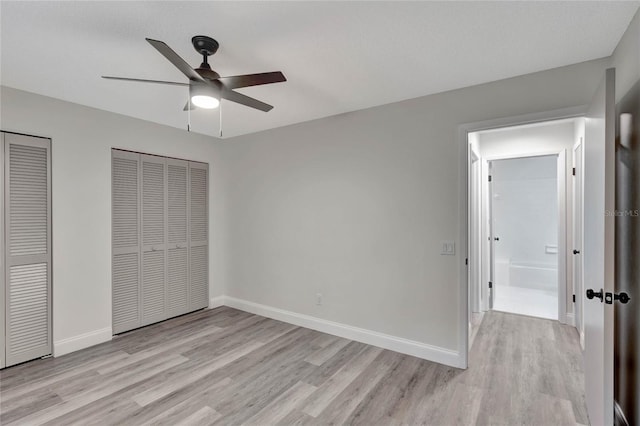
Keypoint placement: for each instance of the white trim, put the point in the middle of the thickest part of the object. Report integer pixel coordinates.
(216, 302)
(563, 279)
(570, 319)
(546, 153)
(81, 341)
(386, 341)
(463, 152)
(518, 120)
(463, 243)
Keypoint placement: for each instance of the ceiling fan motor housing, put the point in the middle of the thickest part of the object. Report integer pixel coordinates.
(204, 45)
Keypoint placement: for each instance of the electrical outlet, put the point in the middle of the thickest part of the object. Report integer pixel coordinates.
(319, 299)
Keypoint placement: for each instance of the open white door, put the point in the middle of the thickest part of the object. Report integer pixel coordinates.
(599, 229)
(492, 240)
(485, 235)
(578, 231)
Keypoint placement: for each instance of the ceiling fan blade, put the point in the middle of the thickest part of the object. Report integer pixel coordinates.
(246, 100)
(141, 80)
(247, 80)
(175, 59)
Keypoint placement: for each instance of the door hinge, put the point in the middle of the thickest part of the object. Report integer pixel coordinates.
(466, 260)
(574, 298)
(573, 172)
(490, 284)
(489, 178)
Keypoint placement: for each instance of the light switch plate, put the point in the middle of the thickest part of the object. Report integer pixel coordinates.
(448, 248)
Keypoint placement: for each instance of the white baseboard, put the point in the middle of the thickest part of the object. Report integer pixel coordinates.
(570, 319)
(386, 341)
(75, 343)
(216, 302)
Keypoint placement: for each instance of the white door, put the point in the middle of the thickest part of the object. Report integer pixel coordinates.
(474, 235)
(177, 227)
(198, 236)
(485, 234)
(492, 240)
(153, 203)
(27, 248)
(599, 226)
(125, 237)
(577, 238)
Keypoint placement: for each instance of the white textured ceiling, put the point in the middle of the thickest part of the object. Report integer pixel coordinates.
(337, 56)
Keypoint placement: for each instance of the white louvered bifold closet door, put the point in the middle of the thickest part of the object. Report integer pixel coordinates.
(177, 226)
(198, 236)
(154, 223)
(160, 238)
(126, 240)
(27, 247)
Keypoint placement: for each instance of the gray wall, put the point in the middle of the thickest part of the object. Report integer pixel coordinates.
(352, 206)
(626, 58)
(82, 139)
(355, 206)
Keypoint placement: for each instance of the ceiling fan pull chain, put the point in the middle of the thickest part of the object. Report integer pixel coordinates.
(189, 115)
(220, 115)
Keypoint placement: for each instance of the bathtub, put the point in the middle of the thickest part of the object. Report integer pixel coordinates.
(541, 276)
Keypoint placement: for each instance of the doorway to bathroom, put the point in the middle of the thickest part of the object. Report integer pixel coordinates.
(523, 194)
(521, 217)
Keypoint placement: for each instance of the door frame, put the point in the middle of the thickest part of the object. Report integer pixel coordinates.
(475, 227)
(463, 191)
(561, 193)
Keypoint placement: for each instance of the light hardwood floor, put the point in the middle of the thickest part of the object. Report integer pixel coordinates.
(224, 366)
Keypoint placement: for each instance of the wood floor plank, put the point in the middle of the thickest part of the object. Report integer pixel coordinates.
(183, 409)
(18, 408)
(329, 390)
(204, 416)
(388, 394)
(190, 341)
(47, 380)
(343, 406)
(163, 389)
(227, 367)
(325, 353)
(50, 413)
(282, 406)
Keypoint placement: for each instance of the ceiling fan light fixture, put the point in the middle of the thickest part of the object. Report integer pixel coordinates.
(203, 96)
(205, 101)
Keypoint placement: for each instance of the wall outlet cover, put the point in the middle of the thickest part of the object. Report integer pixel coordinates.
(448, 248)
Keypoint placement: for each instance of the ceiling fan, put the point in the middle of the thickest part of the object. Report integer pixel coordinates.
(206, 87)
